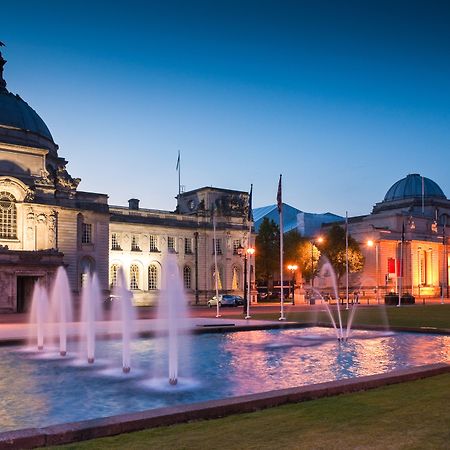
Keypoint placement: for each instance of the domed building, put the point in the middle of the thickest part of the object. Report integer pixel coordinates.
(404, 241)
(45, 221)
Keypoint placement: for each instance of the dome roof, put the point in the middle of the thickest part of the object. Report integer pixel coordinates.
(16, 113)
(411, 186)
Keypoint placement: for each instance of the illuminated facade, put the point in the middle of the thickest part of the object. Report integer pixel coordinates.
(406, 234)
(45, 222)
(140, 239)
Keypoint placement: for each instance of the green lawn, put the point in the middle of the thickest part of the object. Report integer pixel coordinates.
(413, 415)
(437, 316)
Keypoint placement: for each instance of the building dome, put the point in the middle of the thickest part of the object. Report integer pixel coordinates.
(17, 114)
(411, 186)
(19, 122)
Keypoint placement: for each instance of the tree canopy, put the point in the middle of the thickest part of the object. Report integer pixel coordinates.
(267, 254)
(334, 249)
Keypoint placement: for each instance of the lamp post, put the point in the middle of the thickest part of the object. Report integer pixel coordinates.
(243, 253)
(371, 243)
(293, 268)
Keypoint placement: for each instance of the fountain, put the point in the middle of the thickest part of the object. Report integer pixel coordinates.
(91, 313)
(173, 314)
(39, 313)
(61, 307)
(123, 310)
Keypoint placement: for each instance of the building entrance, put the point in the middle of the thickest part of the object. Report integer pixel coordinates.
(25, 286)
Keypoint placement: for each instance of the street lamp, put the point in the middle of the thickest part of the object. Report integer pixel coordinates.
(243, 253)
(293, 268)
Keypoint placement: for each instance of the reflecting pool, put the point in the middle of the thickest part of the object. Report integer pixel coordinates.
(40, 390)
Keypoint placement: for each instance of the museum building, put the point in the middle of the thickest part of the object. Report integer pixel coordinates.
(46, 222)
(404, 241)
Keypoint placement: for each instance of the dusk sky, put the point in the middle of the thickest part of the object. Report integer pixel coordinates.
(342, 98)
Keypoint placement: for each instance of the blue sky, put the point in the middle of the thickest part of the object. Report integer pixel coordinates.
(342, 98)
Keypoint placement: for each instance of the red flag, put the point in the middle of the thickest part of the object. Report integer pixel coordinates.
(279, 200)
(391, 265)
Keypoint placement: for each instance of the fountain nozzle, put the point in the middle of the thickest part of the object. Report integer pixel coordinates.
(173, 381)
(62, 353)
(90, 360)
(40, 348)
(126, 369)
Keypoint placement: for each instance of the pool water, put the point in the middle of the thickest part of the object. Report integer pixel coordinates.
(36, 392)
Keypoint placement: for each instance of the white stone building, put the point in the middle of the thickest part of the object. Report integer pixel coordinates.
(45, 222)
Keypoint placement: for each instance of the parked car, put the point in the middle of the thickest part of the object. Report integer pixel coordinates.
(224, 300)
(239, 300)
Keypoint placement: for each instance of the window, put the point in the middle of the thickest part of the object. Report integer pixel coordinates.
(152, 277)
(171, 244)
(218, 246)
(113, 275)
(219, 279)
(115, 242)
(188, 246)
(8, 216)
(236, 245)
(235, 282)
(154, 243)
(86, 235)
(187, 277)
(135, 243)
(134, 277)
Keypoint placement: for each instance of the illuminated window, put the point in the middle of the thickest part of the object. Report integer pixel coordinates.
(113, 275)
(235, 283)
(425, 267)
(154, 243)
(188, 246)
(217, 244)
(8, 216)
(187, 277)
(219, 279)
(135, 243)
(236, 245)
(152, 277)
(115, 242)
(134, 276)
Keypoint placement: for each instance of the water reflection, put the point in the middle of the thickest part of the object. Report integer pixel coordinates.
(36, 393)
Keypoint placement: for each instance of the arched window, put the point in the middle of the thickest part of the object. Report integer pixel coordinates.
(8, 216)
(235, 282)
(134, 277)
(113, 275)
(152, 277)
(219, 278)
(187, 277)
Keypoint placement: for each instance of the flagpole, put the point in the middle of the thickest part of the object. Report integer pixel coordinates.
(216, 273)
(280, 211)
(346, 257)
(400, 284)
(249, 254)
(179, 172)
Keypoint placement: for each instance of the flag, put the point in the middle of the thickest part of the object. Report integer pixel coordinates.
(279, 199)
(178, 161)
(249, 212)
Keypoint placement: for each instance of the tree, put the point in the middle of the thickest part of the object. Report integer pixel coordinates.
(292, 241)
(267, 254)
(309, 259)
(334, 249)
